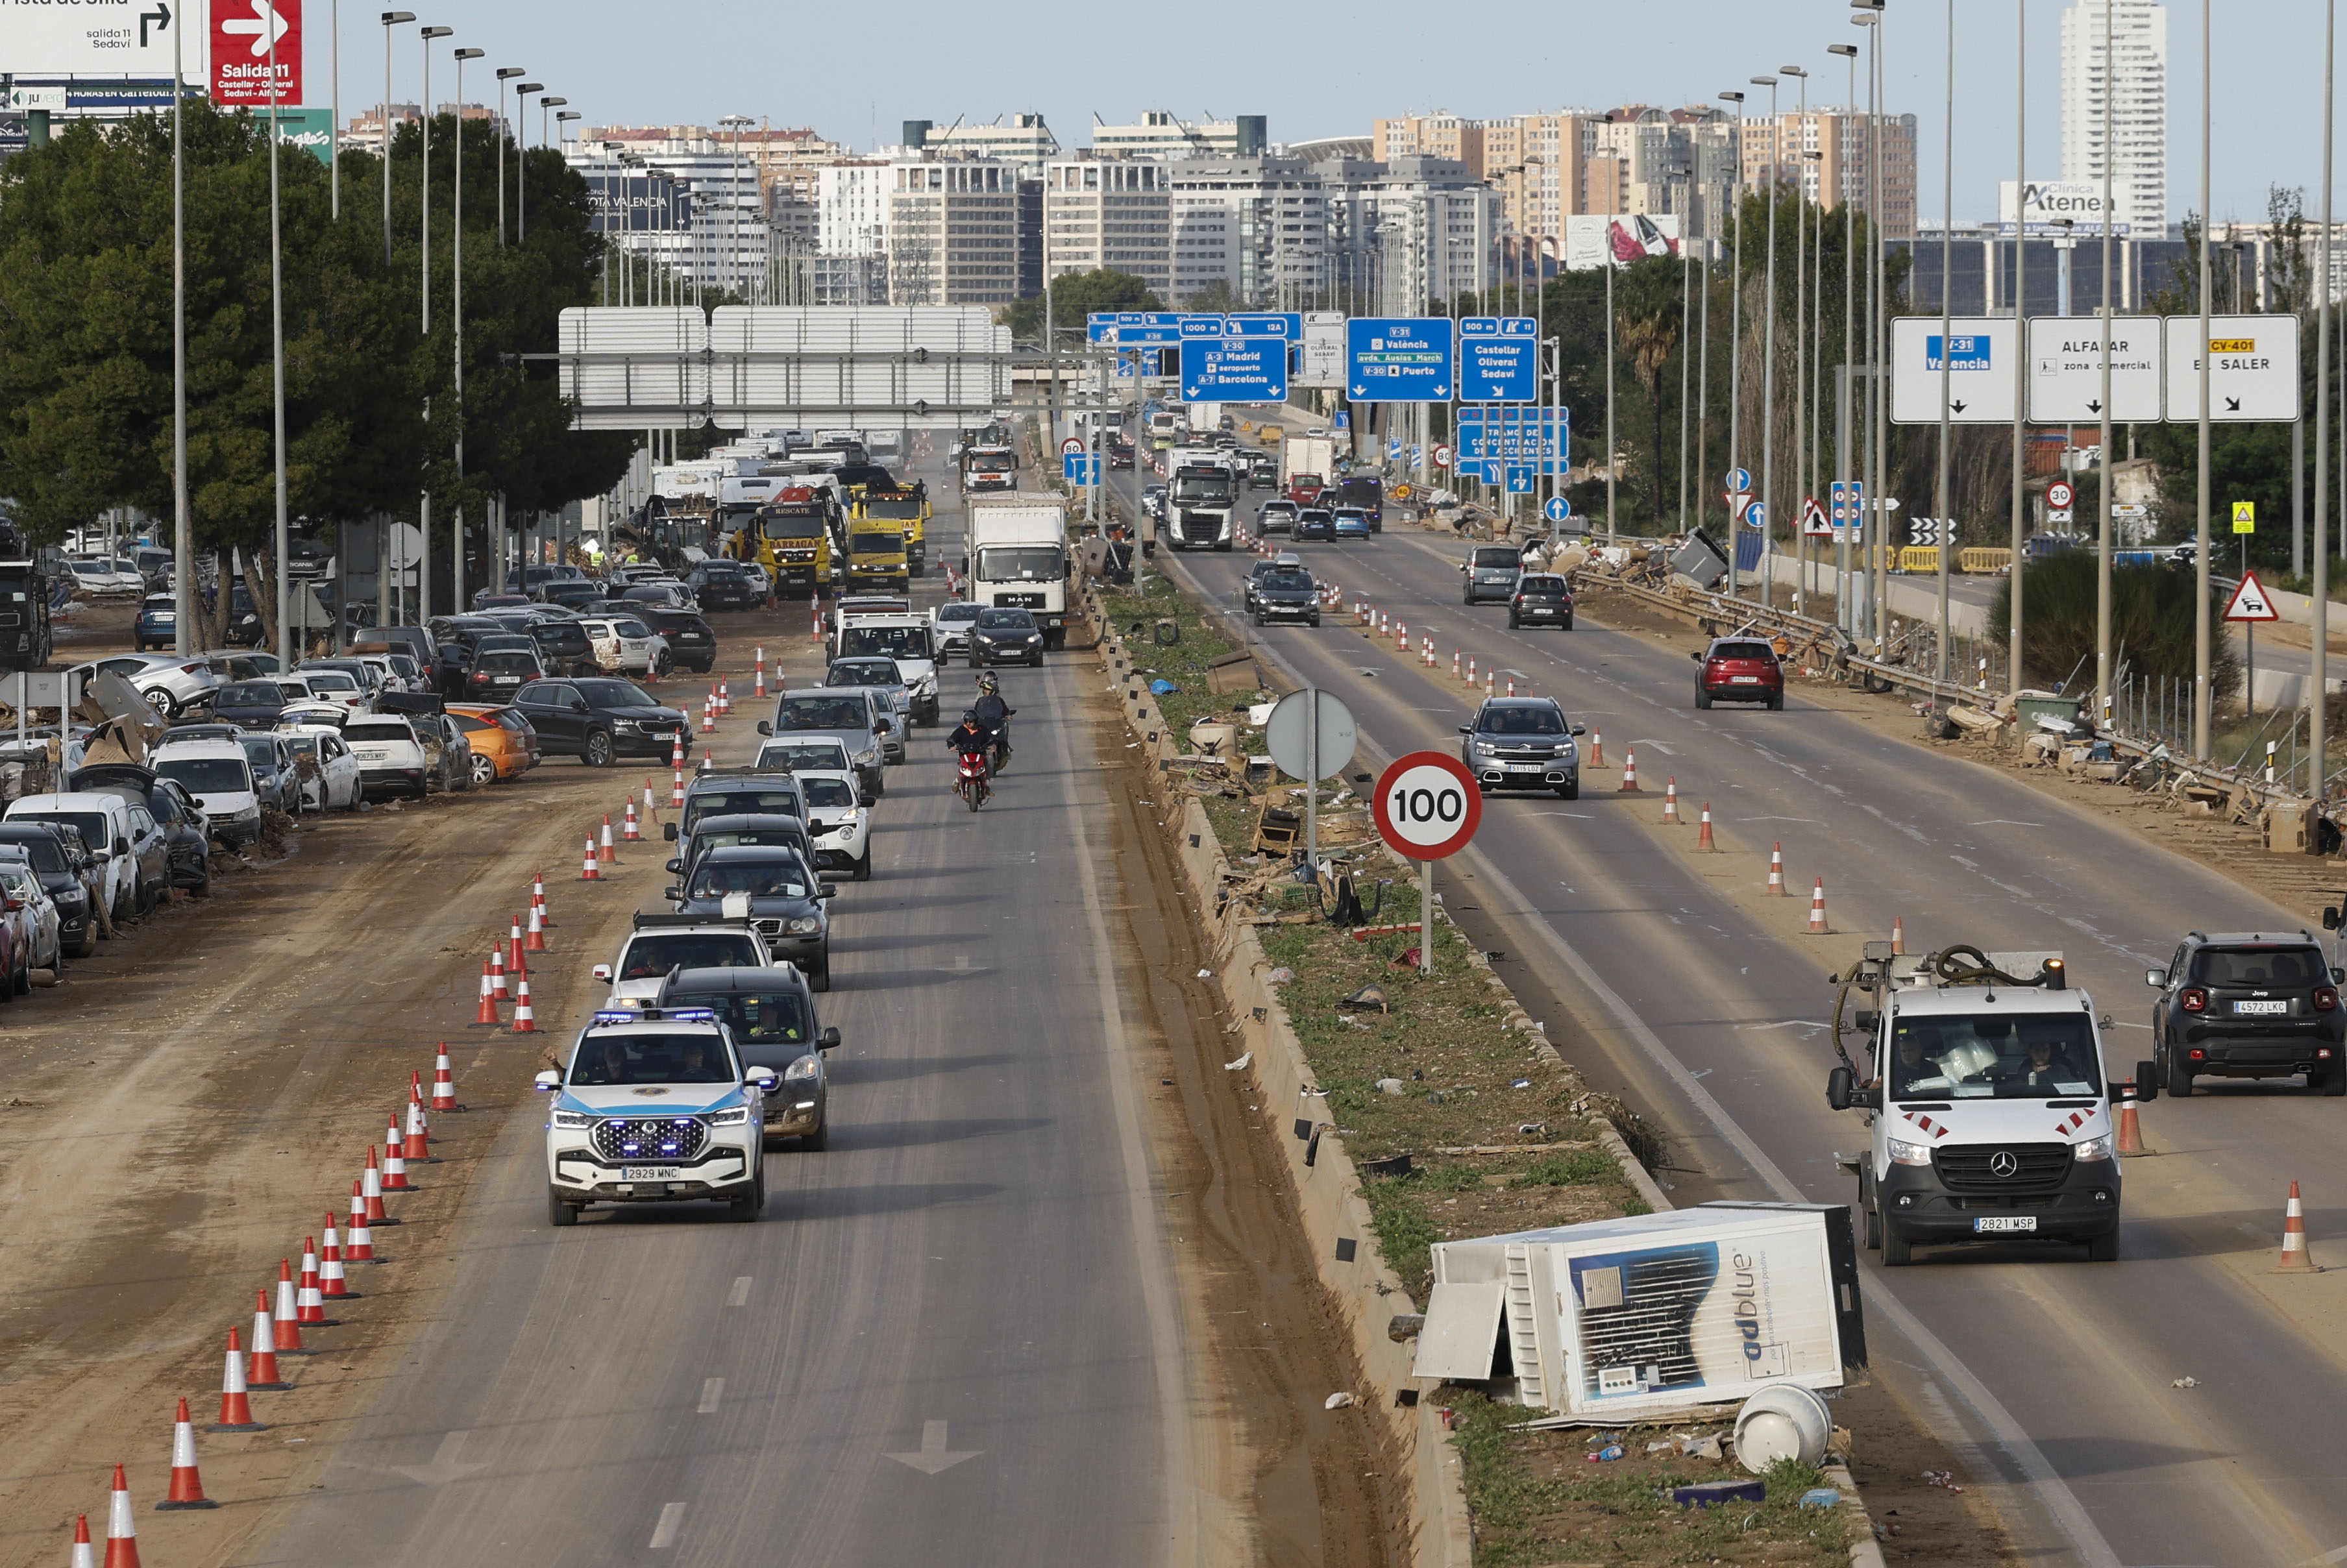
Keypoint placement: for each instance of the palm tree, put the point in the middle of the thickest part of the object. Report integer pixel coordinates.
(1648, 331)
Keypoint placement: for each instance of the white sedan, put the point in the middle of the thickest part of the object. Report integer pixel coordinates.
(839, 822)
(329, 773)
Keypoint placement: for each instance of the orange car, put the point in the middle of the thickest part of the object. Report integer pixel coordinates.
(504, 744)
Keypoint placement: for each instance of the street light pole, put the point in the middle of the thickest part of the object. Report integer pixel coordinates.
(277, 369)
(2020, 333)
(2318, 781)
(2103, 458)
(183, 543)
(521, 158)
(423, 512)
(1947, 529)
(1736, 344)
(390, 20)
(504, 74)
(335, 127)
(1768, 358)
(1845, 601)
(1799, 540)
(456, 269)
(2201, 627)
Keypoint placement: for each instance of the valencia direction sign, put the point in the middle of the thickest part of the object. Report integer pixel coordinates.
(1405, 359)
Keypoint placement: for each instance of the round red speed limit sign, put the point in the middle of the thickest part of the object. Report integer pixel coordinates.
(2058, 494)
(1427, 805)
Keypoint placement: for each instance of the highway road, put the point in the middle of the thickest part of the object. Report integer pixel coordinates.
(1709, 1000)
(953, 1339)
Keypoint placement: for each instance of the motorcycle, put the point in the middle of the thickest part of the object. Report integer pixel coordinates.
(969, 781)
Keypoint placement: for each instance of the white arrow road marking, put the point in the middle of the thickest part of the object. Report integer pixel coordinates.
(266, 27)
(740, 1294)
(671, 1520)
(933, 1456)
(444, 1467)
(712, 1388)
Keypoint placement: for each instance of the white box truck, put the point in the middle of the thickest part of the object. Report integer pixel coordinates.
(1018, 558)
(1307, 464)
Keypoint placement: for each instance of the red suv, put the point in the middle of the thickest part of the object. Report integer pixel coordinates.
(1739, 670)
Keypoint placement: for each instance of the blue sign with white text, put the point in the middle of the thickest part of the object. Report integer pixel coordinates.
(1538, 436)
(1398, 359)
(1132, 329)
(1498, 359)
(1970, 352)
(1235, 369)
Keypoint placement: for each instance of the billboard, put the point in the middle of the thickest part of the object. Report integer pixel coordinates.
(312, 130)
(638, 203)
(1591, 238)
(123, 38)
(2040, 206)
(247, 37)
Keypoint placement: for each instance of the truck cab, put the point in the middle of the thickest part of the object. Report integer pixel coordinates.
(1201, 498)
(907, 504)
(26, 578)
(1987, 1101)
(791, 538)
(875, 553)
(989, 468)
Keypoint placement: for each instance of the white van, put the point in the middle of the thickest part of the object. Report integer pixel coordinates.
(219, 775)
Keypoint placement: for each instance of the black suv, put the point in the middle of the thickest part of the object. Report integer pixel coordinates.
(691, 645)
(2249, 1004)
(1523, 742)
(1542, 598)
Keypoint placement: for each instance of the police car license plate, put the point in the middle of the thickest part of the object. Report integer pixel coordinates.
(1991, 1224)
(670, 1174)
(2262, 1006)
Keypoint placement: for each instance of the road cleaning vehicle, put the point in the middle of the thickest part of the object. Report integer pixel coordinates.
(1987, 1100)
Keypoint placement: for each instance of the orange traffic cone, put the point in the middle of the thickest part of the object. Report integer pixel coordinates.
(1776, 870)
(394, 1158)
(485, 1015)
(534, 939)
(361, 1247)
(371, 1189)
(186, 1485)
(85, 1556)
(288, 1315)
(444, 1082)
(537, 897)
(676, 750)
(236, 1409)
(311, 1295)
(676, 790)
(627, 834)
(1470, 670)
(2295, 1258)
(1703, 838)
(1898, 937)
(523, 1020)
(760, 690)
(586, 872)
(263, 1371)
(1671, 797)
(497, 973)
(415, 1148)
(1817, 909)
(121, 1528)
(334, 1284)
(2130, 1126)
(1629, 785)
(605, 852)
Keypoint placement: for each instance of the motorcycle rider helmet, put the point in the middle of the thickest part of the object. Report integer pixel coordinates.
(989, 684)
(969, 715)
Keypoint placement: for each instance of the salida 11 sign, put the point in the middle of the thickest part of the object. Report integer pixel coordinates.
(243, 33)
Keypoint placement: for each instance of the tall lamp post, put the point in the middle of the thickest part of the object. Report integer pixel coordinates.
(504, 74)
(1736, 342)
(1769, 356)
(423, 509)
(456, 269)
(1845, 602)
(1800, 331)
(390, 19)
(183, 542)
(521, 158)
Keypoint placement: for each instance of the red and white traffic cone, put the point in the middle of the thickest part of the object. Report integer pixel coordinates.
(1703, 842)
(1511, 692)
(2130, 1121)
(2295, 1258)
(814, 627)
(523, 1020)
(262, 1374)
(651, 806)
(1776, 889)
(1671, 797)
(725, 698)
(1817, 909)
(533, 940)
(708, 716)
(1402, 634)
(371, 1188)
(627, 834)
(444, 1082)
(708, 761)
(676, 750)
(485, 1015)
(1426, 651)
(586, 872)
(1491, 681)
(1629, 785)
(1454, 664)
(394, 1159)
(415, 1148)
(187, 1486)
(1470, 670)
(121, 1525)
(1898, 937)
(334, 1284)
(606, 852)
(1596, 738)
(676, 790)
(236, 1408)
(760, 689)
(310, 1296)
(85, 1556)
(289, 1312)
(537, 897)
(360, 1248)
(497, 988)
(515, 961)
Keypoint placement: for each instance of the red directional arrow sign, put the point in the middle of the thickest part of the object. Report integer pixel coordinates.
(243, 34)
(1427, 805)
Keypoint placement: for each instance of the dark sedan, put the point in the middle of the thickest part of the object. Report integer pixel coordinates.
(67, 872)
(1005, 637)
(250, 704)
(722, 585)
(785, 902)
(691, 645)
(599, 719)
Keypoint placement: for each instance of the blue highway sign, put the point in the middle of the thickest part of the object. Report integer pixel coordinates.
(1517, 434)
(1399, 360)
(1235, 369)
(1498, 359)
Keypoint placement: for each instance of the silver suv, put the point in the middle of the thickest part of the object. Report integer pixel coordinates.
(1523, 742)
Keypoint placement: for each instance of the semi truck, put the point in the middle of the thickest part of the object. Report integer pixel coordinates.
(1018, 558)
(989, 469)
(1986, 1098)
(1307, 464)
(908, 504)
(1201, 492)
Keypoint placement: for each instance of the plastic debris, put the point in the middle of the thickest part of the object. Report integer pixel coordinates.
(1703, 1448)
(1240, 1065)
(1205, 974)
(1521, 1084)
(1161, 687)
(1820, 1497)
(1368, 997)
(1280, 975)
(1712, 1493)
(1390, 1086)
(2185, 1383)
(1943, 1478)
(1609, 1452)
(1335, 1401)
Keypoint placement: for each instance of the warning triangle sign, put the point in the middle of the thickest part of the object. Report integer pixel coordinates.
(1815, 523)
(2250, 601)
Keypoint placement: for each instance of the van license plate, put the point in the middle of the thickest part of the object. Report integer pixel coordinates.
(1992, 1224)
(670, 1174)
(2262, 1006)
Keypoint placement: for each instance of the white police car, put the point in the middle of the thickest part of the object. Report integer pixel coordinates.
(656, 1108)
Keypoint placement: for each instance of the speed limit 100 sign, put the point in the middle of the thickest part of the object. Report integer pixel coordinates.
(1427, 805)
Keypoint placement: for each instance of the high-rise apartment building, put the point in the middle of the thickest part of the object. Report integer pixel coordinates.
(1781, 149)
(1107, 212)
(2128, 84)
(1163, 135)
(1445, 136)
(953, 232)
(1258, 226)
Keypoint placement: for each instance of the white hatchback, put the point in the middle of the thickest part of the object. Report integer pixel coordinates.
(838, 820)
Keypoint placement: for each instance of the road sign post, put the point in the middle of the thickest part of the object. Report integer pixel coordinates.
(1311, 734)
(1426, 807)
(2253, 369)
(2250, 604)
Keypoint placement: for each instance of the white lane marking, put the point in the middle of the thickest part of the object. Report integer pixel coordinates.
(711, 1389)
(740, 1294)
(671, 1520)
(1647, 741)
(961, 963)
(2006, 821)
(933, 1456)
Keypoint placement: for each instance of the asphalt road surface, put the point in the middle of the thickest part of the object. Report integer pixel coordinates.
(2057, 1372)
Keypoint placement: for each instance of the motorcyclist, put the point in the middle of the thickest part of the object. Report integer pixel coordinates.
(970, 737)
(994, 713)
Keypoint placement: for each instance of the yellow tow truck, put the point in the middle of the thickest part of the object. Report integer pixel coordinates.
(909, 505)
(790, 535)
(875, 553)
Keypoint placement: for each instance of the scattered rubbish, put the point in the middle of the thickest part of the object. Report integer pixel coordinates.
(1240, 1065)
(2185, 1383)
(1205, 974)
(1280, 975)
(1943, 1478)
(1663, 1446)
(1532, 1129)
(1782, 1421)
(1410, 958)
(1335, 1401)
(1163, 688)
(1610, 1452)
(1703, 1448)
(1521, 1084)
(1438, 1098)
(1392, 1086)
(1820, 1497)
(1368, 997)
(1712, 1493)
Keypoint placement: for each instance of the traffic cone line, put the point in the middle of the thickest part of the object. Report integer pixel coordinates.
(395, 1161)
(533, 940)
(523, 1020)
(310, 1299)
(371, 1188)
(332, 1283)
(708, 717)
(676, 790)
(2295, 1258)
(676, 750)
(444, 1082)
(725, 698)
(586, 872)
(289, 1312)
(1670, 797)
(498, 972)
(1703, 840)
(236, 1407)
(606, 852)
(1470, 670)
(1817, 909)
(1776, 871)
(361, 1247)
(415, 1146)
(121, 1523)
(2130, 1141)
(1898, 937)
(1629, 771)
(485, 1015)
(186, 1485)
(537, 897)
(263, 1372)
(628, 832)
(85, 1556)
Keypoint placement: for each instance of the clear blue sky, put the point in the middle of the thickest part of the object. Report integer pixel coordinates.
(854, 74)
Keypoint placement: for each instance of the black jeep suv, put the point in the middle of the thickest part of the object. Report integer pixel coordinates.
(2249, 1004)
